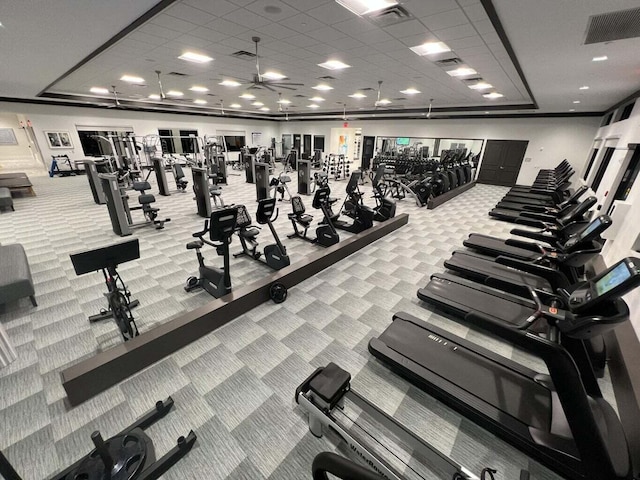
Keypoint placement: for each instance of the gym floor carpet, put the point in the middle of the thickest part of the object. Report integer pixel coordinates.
(234, 387)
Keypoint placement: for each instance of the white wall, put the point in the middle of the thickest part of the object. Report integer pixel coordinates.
(550, 139)
(622, 133)
(48, 117)
(14, 153)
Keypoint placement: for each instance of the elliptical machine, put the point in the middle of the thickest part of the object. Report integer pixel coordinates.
(326, 234)
(279, 185)
(275, 254)
(353, 207)
(215, 281)
(385, 207)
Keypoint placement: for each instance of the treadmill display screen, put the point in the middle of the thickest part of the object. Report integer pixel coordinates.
(591, 227)
(612, 279)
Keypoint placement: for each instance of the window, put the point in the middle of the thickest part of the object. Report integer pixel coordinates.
(628, 179)
(318, 142)
(98, 143)
(606, 120)
(626, 111)
(189, 145)
(608, 153)
(593, 157)
(167, 143)
(234, 142)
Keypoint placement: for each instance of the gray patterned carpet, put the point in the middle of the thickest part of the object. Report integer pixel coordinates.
(235, 386)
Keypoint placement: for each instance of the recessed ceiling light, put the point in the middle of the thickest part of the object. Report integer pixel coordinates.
(323, 87)
(248, 96)
(265, 109)
(154, 96)
(99, 90)
(257, 104)
(462, 72)
(572, 109)
(410, 91)
(364, 7)
(131, 79)
(197, 88)
(195, 57)
(584, 87)
(493, 95)
(235, 105)
(480, 86)
(230, 83)
(358, 95)
(600, 59)
(284, 101)
(313, 105)
(430, 48)
(175, 93)
(384, 101)
(200, 101)
(576, 101)
(317, 99)
(334, 65)
(273, 75)
(486, 112)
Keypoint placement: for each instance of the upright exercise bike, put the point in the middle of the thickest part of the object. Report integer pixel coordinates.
(326, 233)
(385, 208)
(275, 254)
(353, 207)
(221, 225)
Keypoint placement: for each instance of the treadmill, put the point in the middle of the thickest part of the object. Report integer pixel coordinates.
(573, 249)
(511, 202)
(560, 419)
(535, 219)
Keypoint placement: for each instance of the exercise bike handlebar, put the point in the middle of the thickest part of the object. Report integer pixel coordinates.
(202, 233)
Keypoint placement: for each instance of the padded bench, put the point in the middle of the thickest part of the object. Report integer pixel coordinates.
(15, 275)
(5, 198)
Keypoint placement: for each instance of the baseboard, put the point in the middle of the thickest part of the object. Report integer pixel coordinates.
(440, 199)
(106, 369)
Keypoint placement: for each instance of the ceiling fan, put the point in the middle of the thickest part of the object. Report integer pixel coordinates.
(116, 101)
(260, 82)
(377, 102)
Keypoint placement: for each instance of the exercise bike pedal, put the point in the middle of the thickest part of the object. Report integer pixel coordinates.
(191, 284)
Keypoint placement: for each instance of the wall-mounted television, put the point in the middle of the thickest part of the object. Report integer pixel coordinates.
(402, 141)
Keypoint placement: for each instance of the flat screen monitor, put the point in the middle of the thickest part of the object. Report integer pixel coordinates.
(402, 141)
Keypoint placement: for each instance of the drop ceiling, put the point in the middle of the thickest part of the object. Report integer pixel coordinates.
(62, 56)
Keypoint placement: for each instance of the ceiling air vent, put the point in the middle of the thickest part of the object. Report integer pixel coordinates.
(300, 96)
(243, 54)
(449, 62)
(390, 16)
(366, 89)
(327, 77)
(178, 74)
(613, 26)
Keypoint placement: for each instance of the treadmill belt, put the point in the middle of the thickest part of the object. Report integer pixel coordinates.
(497, 246)
(462, 297)
(485, 270)
(513, 392)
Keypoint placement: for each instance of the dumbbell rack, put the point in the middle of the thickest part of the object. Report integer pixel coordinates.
(336, 166)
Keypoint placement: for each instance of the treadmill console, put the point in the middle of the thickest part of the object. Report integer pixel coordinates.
(589, 233)
(613, 282)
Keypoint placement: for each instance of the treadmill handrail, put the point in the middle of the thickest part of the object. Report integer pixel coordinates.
(533, 247)
(571, 391)
(341, 467)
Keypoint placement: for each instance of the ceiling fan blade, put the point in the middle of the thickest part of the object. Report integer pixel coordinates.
(282, 86)
(268, 87)
(277, 84)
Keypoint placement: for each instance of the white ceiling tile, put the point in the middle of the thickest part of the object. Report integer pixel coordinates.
(144, 37)
(276, 31)
(470, 52)
(406, 29)
(424, 8)
(491, 37)
(208, 34)
(190, 14)
(158, 31)
(242, 3)
(476, 12)
(326, 34)
(484, 26)
(219, 8)
(390, 46)
(264, 9)
(330, 13)
(345, 43)
(322, 49)
(167, 21)
(465, 42)
(301, 41)
(355, 27)
(226, 27)
(414, 40)
(302, 23)
(373, 36)
(247, 19)
(453, 33)
(444, 20)
(190, 41)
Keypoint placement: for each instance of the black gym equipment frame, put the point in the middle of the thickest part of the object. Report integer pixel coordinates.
(92, 376)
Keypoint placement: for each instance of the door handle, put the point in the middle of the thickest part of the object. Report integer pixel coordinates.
(501, 168)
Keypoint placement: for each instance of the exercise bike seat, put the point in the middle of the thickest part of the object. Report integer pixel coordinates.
(303, 219)
(251, 232)
(215, 190)
(146, 199)
(141, 186)
(195, 245)
(285, 179)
